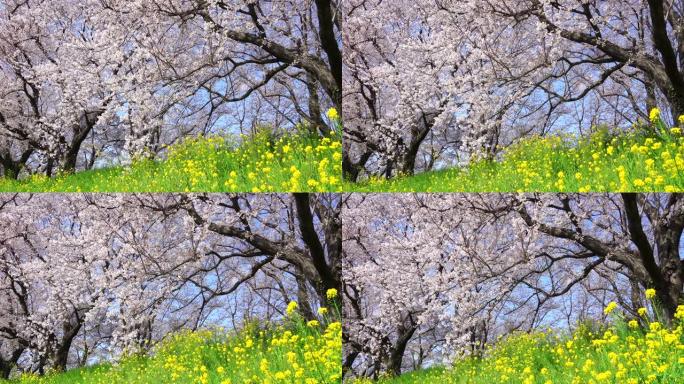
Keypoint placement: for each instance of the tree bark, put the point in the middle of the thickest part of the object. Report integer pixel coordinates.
(396, 357)
(12, 167)
(351, 170)
(326, 32)
(666, 277)
(661, 40)
(60, 358)
(313, 243)
(9, 361)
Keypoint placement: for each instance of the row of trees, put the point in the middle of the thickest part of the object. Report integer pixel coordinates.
(430, 276)
(89, 82)
(429, 83)
(85, 277)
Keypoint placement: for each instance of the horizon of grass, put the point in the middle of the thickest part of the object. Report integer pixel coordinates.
(649, 158)
(299, 162)
(634, 351)
(293, 351)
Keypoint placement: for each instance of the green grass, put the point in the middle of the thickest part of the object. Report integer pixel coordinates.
(632, 352)
(644, 160)
(294, 163)
(288, 353)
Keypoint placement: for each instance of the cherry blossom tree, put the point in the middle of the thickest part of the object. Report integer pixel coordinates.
(430, 83)
(88, 83)
(59, 78)
(449, 273)
(86, 277)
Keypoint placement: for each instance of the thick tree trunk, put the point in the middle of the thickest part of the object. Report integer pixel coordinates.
(9, 360)
(12, 167)
(349, 362)
(396, 357)
(651, 101)
(326, 32)
(667, 241)
(50, 167)
(350, 170)
(70, 161)
(326, 275)
(422, 126)
(667, 276)
(61, 356)
(81, 132)
(303, 298)
(318, 126)
(668, 54)
(664, 272)
(10, 170)
(389, 169)
(5, 369)
(408, 164)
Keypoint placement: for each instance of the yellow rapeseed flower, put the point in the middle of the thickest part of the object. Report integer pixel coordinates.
(291, 307)
(654, 116)
(332, 114)
(610, 307)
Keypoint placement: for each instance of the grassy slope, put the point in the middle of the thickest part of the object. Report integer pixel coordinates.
(621, 353)
(297, 163)
(296, 353)
(631, 162)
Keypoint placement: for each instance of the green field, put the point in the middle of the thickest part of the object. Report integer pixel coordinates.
(261, 163)
(630, 351)
(293, 352)
(649, 158)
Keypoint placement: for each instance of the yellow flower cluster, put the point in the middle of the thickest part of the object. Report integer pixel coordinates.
(610, 307)
(303, 353)
(332, 114)
(257, 163)
(283, 165)
(294, 352)
(646, 159)
(638, 351)
(654, 115)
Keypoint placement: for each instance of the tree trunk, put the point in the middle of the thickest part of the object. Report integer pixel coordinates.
(71, 156)
(664, 274)
(327, 278)
(659, 30)
(408, 164)
(422, 126)
(5, 369)
(396, 357)
(348, 362)
(50, 167)
(61, 355)
(667, 241)
(70, 161)
(303, 297)
(12, 167)
(317, 123)
(351, 171)
(326, 32)
(650, 93)
(9, 361)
